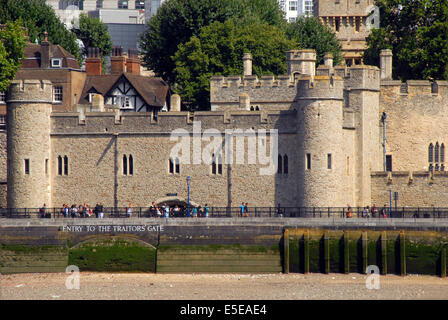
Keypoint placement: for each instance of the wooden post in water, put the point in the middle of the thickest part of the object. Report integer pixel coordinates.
(346, 253)
(443, 262)
(326, 253)
(402, 254)
(383, 253)
(365, 260)
(306, 249)
(286, 250)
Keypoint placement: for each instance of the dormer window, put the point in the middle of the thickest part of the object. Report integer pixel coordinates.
(2, 97)
(56, 63)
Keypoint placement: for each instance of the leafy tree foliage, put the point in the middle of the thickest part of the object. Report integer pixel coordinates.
(12, 44)
(417, 33)
(37, 17)
(177, 20)
(218, 50)
(311, 34)
(93, 33)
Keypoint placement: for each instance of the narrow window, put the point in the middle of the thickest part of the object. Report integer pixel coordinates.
(285, 164)
(131, 165)
(436, 153)
(171, 166)
(99, 4)
(337, 24)
(66, 165)
(27, 166)
(46, 166)
(279, 164)
(348, 166)
(177, 165)
(442, 153)
(2, 97)
(125, 165)
(430, 153)
(308, 161)
(357, 24)
(213, 164)
(329, 161)
(219, 164)
(388, 163)
(60, 165)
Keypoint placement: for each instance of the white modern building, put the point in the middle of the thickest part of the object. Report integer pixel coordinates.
(296, 8)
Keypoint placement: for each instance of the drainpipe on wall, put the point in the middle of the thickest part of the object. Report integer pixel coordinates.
(383, 120)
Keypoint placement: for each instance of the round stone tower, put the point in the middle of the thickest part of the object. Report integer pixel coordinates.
(321, 142)
(29, 106)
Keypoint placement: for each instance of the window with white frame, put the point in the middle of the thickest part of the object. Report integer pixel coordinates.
(139, 4)
(308, 8)
(293, 5)
(56, 63)
(122, 4)
(2, 97)
(57, 94)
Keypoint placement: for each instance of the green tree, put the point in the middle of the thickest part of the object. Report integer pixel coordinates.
(93, 33)
(12, 44)
(311, 34)
(177, 20)
(218, 50)
(417, 33)
(37, 17)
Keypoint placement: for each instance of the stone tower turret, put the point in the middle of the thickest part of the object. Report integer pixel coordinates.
(320, 152)
(301, 61)
(29, 106)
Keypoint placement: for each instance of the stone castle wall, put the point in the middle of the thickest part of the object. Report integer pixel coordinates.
(416, 116)
(93, 157)
(415, 189)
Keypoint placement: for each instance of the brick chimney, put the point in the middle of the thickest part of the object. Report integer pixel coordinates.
(133, 62)
(93, 62)
(45, 53)
(117, 61)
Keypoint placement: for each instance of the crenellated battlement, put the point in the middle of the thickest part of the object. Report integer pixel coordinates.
(144, 123)
(320, 87)
(413, 88)
(30, 91)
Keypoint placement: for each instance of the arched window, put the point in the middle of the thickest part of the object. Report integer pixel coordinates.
(219, 164)
(60, 165)
(252, 108)
(131, 165)
(442, 153)
(436, 153)
(125, 165)
(285, 164)
(171, 166)
(213, 164)
(177, 165)
(257, 108)
(431, 153)
(65, 165)
(279, 164)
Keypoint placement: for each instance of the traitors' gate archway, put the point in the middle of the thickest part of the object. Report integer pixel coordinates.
(174, 200)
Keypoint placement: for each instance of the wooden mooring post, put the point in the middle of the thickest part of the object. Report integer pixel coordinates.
(346, 253)
(402, 254)
(286, 250)
(364, 252)
(326, 253)
(383, 242)
(306, 251)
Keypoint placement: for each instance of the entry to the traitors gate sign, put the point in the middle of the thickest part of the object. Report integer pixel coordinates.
(113, 228)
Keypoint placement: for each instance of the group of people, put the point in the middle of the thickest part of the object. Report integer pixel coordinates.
(368, 212)
(82, 211)
(244, 211)
(165, 211)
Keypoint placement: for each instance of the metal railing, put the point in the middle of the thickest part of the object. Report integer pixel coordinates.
(235, 212)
